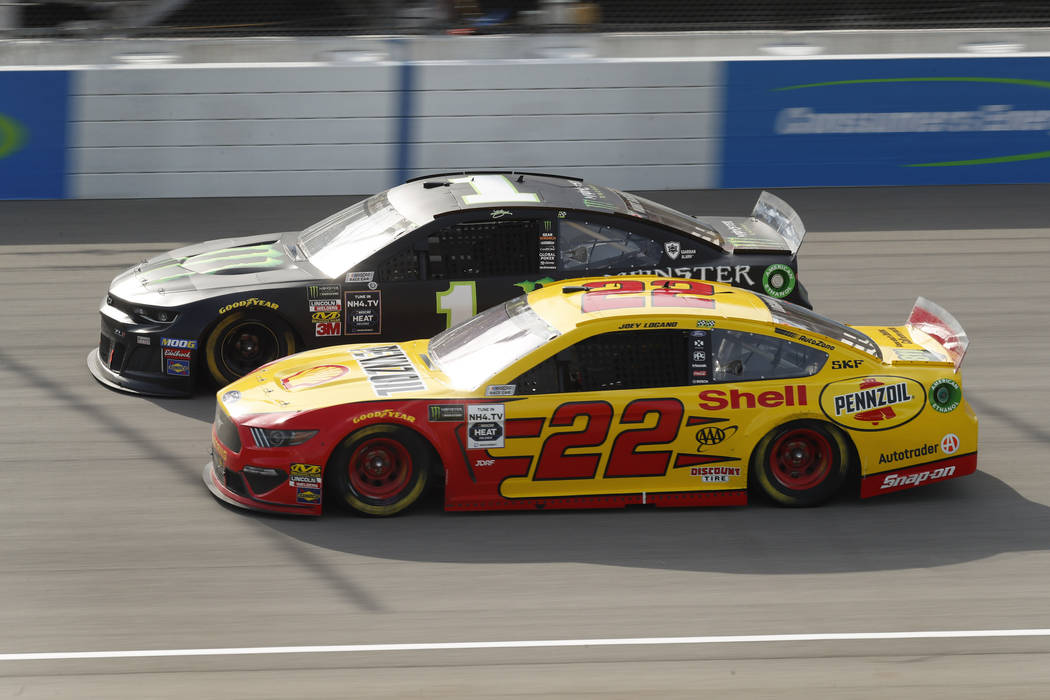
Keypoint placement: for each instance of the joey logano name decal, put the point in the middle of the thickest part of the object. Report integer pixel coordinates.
(872, 403)
(388, 370)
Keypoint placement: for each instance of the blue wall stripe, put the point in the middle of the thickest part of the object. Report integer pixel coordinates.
(406, 102)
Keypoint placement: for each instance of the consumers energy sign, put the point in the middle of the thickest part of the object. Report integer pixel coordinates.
(887, 122)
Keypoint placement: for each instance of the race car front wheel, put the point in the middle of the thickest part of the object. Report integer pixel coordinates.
(802, 463)
(379, 470)
(242, 342)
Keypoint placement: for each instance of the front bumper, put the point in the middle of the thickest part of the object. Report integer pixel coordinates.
(132, 357)
(226, 477)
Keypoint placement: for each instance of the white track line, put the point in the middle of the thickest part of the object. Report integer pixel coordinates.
(524, 644)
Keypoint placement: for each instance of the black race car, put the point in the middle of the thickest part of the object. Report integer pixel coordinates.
(409, 262)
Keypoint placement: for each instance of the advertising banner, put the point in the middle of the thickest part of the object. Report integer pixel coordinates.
(887, 122)
(33, 114)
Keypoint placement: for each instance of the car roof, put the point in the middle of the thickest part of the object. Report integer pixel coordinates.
(560, 303)
(424, 198)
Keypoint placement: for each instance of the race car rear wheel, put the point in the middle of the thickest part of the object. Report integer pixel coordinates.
(379, 470)
(802, 463)
(242, 342)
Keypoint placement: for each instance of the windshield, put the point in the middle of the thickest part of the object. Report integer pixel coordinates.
(347, 237)
(475, 350)
(788, 314)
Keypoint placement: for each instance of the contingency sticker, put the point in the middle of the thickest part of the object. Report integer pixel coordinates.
(485, 426)
(364, 313)
(548, 247)
(700, 357)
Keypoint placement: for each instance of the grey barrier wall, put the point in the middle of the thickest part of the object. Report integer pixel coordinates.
(292, 129)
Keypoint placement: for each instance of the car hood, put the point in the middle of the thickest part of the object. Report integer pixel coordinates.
(337, 375)
(214, 267)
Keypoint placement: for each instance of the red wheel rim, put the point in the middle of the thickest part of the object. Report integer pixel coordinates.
(801, 459)
(380, 468)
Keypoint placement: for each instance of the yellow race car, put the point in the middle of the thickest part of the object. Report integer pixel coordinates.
(601, 393)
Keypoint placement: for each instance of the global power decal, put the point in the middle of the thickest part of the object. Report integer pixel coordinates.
(872, 403)
(389, 370)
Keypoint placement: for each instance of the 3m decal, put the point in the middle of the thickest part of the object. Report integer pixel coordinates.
(441, 413)
(178, 343)
(179, 368)
(364, 313)
(485, 426)
(249, 303)
(328, 328)
(388, 370)
(459, 302)
(872, 403)
(620, 293)
(778, 281)
(945, 395)
(313, 376)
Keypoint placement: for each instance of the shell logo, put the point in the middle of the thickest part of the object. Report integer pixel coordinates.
(872, 403)
(313, 376)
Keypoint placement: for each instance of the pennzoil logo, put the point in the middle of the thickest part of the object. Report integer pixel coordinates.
(873, 403)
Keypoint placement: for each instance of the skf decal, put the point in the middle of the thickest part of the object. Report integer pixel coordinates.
(313, 376)
(872, 403)
(846, 364)
(247, 303)
(388, 370)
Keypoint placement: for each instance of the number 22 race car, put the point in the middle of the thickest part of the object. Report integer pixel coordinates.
(409, 262)
(600, 393)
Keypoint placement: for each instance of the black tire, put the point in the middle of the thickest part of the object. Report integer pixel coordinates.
(242, 342)
(802, 463)
(378, 471)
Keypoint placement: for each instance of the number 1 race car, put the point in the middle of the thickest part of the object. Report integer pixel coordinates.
(599, 393)
(409, 262)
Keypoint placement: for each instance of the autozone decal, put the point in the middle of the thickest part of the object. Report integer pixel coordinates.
(388, 370)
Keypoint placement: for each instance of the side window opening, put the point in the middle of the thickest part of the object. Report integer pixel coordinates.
(612, 362)
(400, 266)
(741, 356)
(484, 249)
(586, 245)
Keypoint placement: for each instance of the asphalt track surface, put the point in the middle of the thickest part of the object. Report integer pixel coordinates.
(109, 541)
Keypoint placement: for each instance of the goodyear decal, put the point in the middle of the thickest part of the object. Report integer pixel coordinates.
(872, 403)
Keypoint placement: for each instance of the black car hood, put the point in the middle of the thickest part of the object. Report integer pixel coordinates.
(210, 269)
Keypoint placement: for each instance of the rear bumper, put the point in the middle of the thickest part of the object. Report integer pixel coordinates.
(917, 475)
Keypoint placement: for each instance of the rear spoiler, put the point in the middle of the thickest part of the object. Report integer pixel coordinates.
(940, 325)
(779, 216)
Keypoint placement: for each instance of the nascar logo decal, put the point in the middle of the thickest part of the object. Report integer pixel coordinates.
(872, 403)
